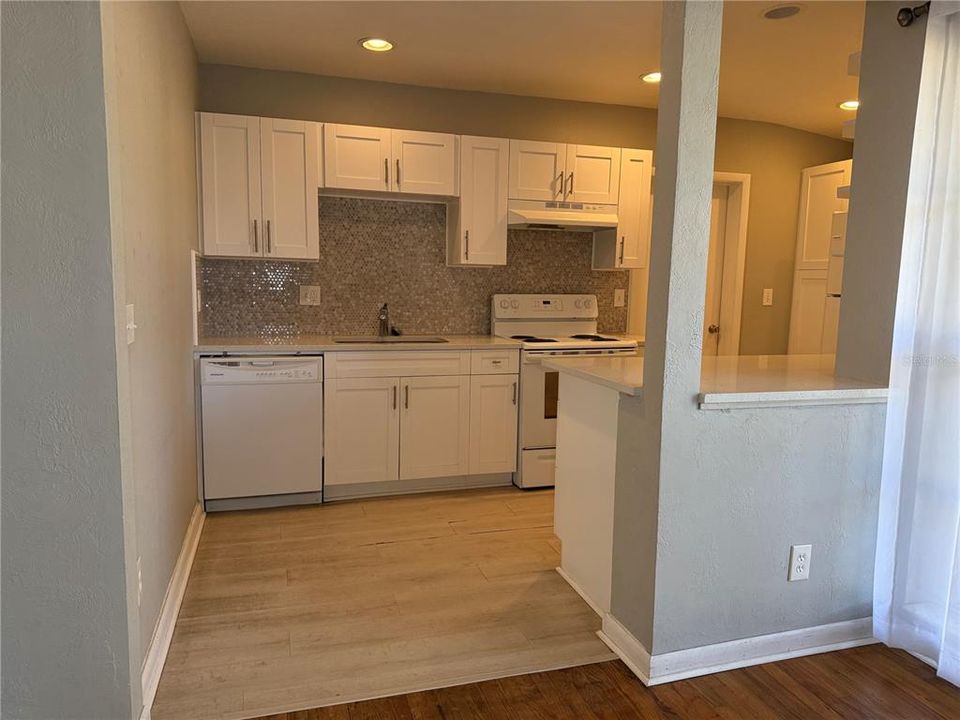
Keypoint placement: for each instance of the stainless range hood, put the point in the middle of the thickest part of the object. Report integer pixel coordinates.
(555, 215)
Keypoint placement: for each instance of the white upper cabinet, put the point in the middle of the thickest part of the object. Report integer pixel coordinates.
(230, 185)
(356, 157)
(593, 174)
(493, 423)
(478, 235)
(288, 157)
(259, 180)
(537, 170)
(384, 160)
(434, 426)
(424, 162)
(629, 245)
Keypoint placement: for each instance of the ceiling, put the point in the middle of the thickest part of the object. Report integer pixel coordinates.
(792, 72)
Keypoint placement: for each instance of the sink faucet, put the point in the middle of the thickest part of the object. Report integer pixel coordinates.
(384, 318)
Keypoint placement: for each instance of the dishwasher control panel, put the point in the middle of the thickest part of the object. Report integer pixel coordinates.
(261, 370)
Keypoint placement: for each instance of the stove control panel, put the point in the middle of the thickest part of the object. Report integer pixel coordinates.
(524, 307)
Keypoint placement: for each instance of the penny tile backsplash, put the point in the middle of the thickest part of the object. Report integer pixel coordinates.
(377, 251)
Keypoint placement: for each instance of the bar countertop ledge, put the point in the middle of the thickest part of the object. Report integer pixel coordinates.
(738, 381)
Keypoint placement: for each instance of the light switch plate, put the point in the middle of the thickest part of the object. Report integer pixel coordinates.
(309, 294)
(619, 297)
(767, 297)
(131, 325)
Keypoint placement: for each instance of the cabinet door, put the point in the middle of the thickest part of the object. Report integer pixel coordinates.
(493, 423)
(484, 164)
(361, 430)
(288, 151)
(434, 426)
(230, 185)
(424, 162)
(356, 157)
(633, 227)
(537, 170)
(593, 174)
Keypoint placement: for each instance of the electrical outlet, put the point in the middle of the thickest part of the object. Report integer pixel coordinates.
(767, 297)
(799, 563)
(619, 297)
(131, 325)
(309, 294)
(139, 580)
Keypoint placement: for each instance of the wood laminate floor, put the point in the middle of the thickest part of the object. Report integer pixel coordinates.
(868, 682)
(302, 607)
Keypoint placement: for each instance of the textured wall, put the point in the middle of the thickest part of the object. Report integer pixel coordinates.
(65, 614)
(376, 251)
(774, 155)
(149, 63)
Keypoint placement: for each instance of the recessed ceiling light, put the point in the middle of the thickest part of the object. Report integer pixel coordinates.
(651, 77)
(374, 44)
(849, 105)
(781, 12)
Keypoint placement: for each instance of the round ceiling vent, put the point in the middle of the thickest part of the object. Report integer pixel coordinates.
(781, 12)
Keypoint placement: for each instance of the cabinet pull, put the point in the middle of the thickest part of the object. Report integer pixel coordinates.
(386, 171)
(570, 191)
(561, 184)
(466, 240)
(256, 240)
(406, 397)
(514, 392)
(623, 242)
(394, 397)
(269, 243)
(398, 172)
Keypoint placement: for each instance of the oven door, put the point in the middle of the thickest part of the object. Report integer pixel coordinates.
(539, 390)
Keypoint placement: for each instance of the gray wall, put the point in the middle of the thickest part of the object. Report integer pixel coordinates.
(889, 85)
(150, 76)
(65, 614)
(772, 154)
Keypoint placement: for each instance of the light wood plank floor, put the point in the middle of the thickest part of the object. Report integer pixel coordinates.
(303, 607)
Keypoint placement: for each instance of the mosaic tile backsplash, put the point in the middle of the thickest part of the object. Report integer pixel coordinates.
(377, 251)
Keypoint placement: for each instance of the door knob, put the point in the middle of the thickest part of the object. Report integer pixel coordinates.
(713, 329)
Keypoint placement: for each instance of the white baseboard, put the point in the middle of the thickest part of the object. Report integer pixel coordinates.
(693, 662)
(579, 590)
(163, 634)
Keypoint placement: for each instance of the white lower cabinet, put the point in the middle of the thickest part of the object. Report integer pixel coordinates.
(434, 426)
(493, 423)
(362, 443)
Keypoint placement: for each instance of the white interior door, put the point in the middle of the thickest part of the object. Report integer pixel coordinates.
(362, 430)
(493, 423)
(537, 170)
(484, 163)
(424, 162)
(288, 151)
(356, 157)
(230, 185)
(635, 208)
(714, 295)
(434, 426)
(593, 174)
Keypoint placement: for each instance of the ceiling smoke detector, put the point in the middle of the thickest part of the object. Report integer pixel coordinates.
(781, 12)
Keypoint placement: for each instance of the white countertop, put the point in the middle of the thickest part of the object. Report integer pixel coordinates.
(738, 381)
(325, 343)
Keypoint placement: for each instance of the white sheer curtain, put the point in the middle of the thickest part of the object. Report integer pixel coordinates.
(917, 580)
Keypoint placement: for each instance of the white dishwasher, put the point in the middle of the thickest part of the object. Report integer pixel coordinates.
(262, 420)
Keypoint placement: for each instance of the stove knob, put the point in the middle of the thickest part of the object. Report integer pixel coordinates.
(515, 304)
(504, 303)
(588, 303)
(579, 303)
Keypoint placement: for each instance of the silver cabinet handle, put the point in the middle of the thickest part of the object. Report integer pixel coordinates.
(398, 172)
(406, 397)
(394, 397)
(386, 171)
(623, 243)
(256, 240)
(570, 191)
(269, 243)
(514, 392)
(466, 240)
(561, 184)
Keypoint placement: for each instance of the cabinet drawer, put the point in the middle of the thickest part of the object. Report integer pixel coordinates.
(495, 362)
(389, 363)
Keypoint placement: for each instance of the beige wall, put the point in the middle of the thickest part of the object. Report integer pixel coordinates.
(150, 78)
(772, 154)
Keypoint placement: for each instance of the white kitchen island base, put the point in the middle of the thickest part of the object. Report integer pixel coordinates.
(586, 472)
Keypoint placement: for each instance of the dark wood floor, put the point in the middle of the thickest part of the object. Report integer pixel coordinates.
(867, 682)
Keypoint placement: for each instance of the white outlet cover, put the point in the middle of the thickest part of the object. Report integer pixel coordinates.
(799, 563)
(767, 297)
(131, 325)
(310, 295)
(619, 297)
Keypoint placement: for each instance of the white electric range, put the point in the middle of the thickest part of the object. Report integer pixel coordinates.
(548, 326)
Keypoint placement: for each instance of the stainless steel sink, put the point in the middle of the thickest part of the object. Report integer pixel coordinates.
(391, 339)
